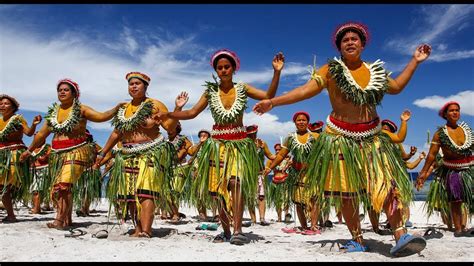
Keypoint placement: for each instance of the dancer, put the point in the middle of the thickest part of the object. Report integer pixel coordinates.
(14, 174)
(228, 162)
(344, 157)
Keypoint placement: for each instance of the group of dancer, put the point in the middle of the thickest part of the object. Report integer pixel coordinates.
(355, 159)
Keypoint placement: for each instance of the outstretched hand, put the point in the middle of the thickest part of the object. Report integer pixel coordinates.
(422, 52)
(278, 61)
(405, 116)
(181, 99)
(37, 119)
(262, 107)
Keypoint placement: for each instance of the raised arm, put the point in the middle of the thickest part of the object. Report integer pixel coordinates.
(92, 115)
(306, 91)
(188, 114)
(395, 86)
(402, 132)
(29, 131)
(254, 93)
(434, 149)
(415, 163)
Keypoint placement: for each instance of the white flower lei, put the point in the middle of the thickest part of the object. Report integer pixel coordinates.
(467, 132)
(219, 112)
(377, 75)
(6, 130)
(68, 124)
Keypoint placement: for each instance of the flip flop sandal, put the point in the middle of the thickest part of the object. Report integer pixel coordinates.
(239, 239)
(383, 232)
(328, 224)
(311, 232)
(221, 238)
(264, 223)
(101, 234)
(289, 230)
(75, 233)
(408, 245)
(353, 246)
(432, 233)
(468, 233)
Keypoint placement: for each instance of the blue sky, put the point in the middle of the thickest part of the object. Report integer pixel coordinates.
(96, 45)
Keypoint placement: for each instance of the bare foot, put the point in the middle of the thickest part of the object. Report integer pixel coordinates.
(57, 224)
(144, 234)
(135, 233)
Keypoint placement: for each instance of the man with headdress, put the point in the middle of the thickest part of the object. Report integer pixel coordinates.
(14, 174)
(351, 172)
(72, 153)
(452, 187)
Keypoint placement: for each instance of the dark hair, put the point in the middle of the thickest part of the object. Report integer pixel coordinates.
(70, 87)
(447, 107)
(12, 103)
(341, 34)
(228, 57)
(205, 132)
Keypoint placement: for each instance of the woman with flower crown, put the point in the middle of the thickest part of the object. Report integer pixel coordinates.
(452, 187)
(71, 153)
(228, 161)
(14, 174)
(299, 144)
(143, 166)
(350, 158)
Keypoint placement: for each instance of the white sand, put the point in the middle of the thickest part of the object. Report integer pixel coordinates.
(31, 240)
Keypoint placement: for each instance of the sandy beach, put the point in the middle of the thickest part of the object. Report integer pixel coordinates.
(30, 240)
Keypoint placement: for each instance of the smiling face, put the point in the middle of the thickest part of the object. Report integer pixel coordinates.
(351, 46)
(136, 88)
(453, 113)
(7, 108)
(301, 123)
(65, 92)
(224, 69)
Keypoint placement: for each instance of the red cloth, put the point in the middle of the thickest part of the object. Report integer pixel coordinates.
(357, 127)
(63, 144)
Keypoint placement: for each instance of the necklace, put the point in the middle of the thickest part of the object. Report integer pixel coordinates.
(372, 94)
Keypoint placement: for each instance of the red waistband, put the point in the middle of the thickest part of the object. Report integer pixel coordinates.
(356, 127)
(63, 144)
(459, 161)
(10, 143)
(228, 136)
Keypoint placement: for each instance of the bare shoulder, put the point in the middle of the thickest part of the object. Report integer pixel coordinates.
(158, 106)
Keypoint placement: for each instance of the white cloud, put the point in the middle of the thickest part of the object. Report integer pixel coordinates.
(433, 26)
(435, 102)
(32, 64)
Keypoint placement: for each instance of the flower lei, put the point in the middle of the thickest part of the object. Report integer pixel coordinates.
(221, 115)
(14, 124)
(122, 123)
(466, 149)
(298, 149)
(67, 125)
(372, 94)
